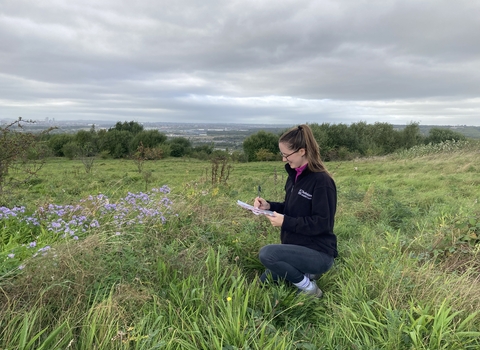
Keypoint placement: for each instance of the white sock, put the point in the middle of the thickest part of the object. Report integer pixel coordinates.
(305, 284)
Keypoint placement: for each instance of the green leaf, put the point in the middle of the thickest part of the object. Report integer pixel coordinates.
(34, 339)
(51, 338)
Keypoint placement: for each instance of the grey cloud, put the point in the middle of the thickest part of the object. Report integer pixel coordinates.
(242, 59)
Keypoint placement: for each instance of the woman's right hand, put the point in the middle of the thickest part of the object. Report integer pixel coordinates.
(261, 203)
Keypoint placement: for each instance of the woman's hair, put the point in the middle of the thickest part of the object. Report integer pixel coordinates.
(302, 137)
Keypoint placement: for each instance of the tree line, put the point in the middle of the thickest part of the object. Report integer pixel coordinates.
(344, 142)
(336, 141)
(124, 140)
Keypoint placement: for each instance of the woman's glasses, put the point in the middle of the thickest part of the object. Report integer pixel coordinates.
(288, 155)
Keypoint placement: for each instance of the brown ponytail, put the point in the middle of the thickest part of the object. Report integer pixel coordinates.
(301, 136)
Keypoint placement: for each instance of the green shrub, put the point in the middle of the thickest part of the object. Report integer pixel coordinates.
(71, 150)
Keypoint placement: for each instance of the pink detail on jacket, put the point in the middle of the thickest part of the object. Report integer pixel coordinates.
(299, 170)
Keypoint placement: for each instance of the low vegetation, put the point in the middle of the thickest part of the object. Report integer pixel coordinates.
(96, 261)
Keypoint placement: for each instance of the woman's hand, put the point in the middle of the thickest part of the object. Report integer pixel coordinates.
(276, 220)
(261, 203)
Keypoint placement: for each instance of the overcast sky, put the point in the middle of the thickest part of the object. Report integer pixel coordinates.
(249, 61)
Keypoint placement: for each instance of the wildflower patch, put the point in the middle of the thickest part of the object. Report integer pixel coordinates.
(23, 235)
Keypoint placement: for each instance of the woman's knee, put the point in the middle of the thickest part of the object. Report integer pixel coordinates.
(267, 254)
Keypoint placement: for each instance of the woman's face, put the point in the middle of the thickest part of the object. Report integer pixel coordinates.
(295, 157)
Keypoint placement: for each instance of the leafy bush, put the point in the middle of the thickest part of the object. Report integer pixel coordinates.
(71, 150)
(265, 155)
(440, 135)
(148, 138)
(179, 147)
(117, 142)
(56, 143)
(260, 140)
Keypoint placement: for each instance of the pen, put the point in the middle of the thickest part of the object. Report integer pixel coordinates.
(259, 190)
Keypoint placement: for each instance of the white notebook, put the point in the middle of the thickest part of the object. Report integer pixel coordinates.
(254, 210)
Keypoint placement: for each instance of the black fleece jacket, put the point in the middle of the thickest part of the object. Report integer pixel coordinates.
(309, 211)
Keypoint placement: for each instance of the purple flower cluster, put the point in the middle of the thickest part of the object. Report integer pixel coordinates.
(67, 220)
(164, 189)
(95, 212)
(6, 213)
(92, 213)
(138, 208)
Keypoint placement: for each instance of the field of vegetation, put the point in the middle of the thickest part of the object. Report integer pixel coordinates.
(162, 257)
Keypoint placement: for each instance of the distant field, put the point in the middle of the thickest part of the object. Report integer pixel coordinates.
(468, 131)
(408, 227)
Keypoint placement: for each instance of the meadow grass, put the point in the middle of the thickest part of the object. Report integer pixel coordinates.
(407, 276)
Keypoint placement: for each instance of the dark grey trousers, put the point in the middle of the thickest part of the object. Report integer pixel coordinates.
(292, 262)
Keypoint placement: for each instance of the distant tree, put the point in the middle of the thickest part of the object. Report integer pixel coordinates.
(177, 150)
(384, 138)
(321, 136)
(132, 127)
(202, 152)
(179, 146)
(56, 143)
(71, 150)
(437, 135)
(207, 148)
(340, 135)
(101, 133)
(410, 136)
(117, 143)
(260, 140)
(87, 141)
(361, 133)
(83, 137)
(148, 138)
(181, 140)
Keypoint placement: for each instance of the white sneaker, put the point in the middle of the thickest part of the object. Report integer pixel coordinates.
(314, 291)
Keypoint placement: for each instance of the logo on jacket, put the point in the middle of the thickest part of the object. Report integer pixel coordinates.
(304, 194)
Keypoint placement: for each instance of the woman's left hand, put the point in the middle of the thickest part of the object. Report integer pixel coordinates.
(276, 220)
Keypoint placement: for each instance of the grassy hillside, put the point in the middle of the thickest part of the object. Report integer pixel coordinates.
(165, 259)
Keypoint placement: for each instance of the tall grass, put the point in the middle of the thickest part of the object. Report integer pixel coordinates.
(406, 277)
